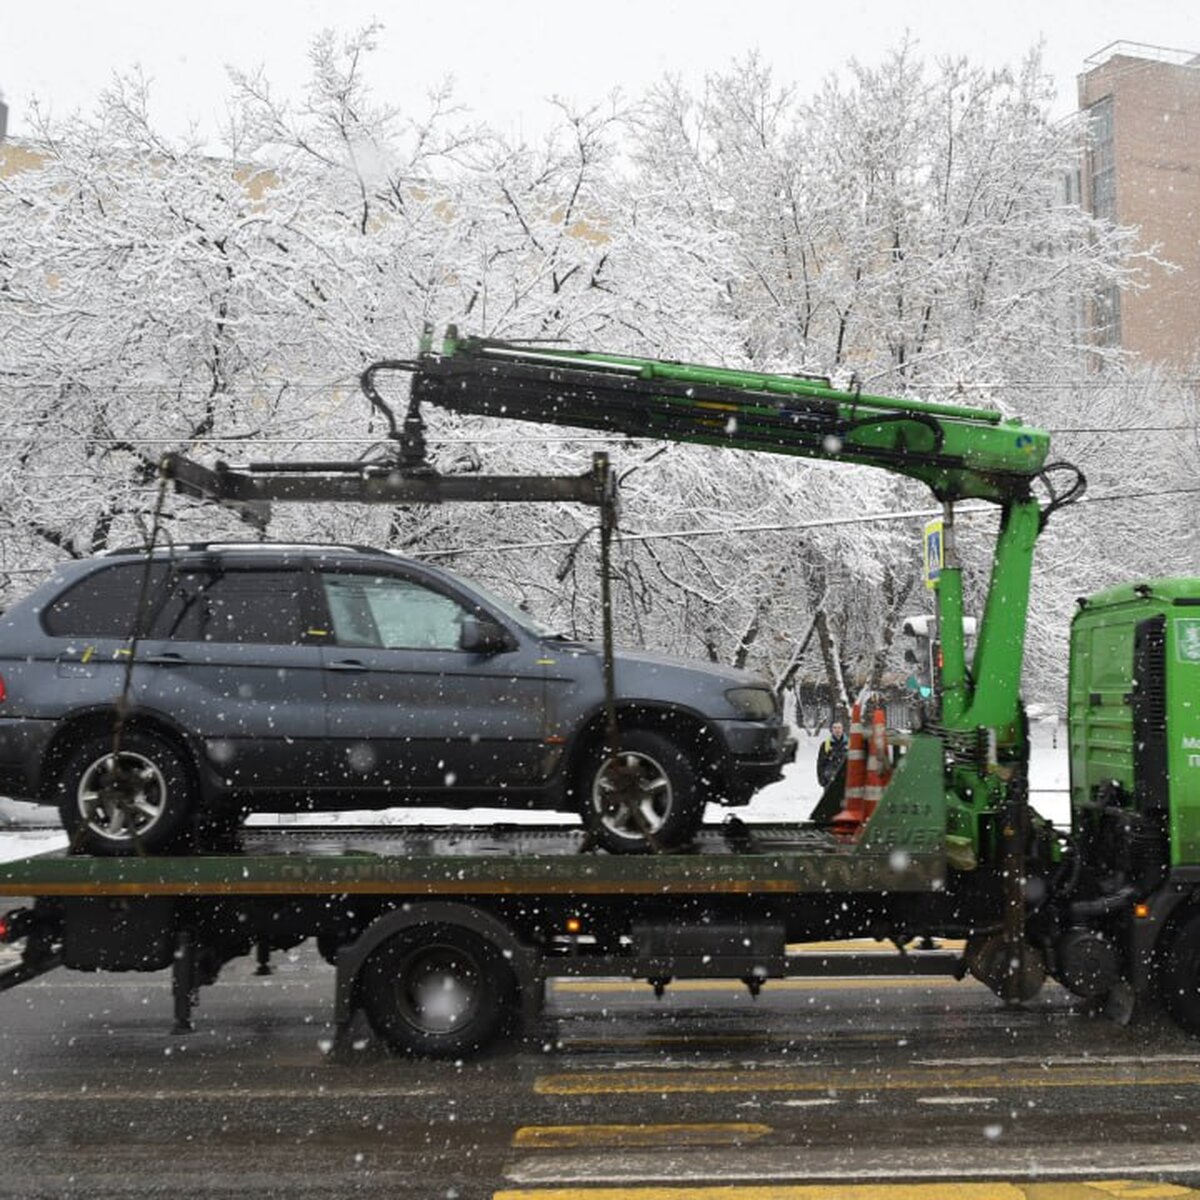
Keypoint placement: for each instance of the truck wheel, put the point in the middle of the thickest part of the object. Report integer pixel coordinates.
(137, 799)
(437, 990)
(1179, 983)
(643, 798)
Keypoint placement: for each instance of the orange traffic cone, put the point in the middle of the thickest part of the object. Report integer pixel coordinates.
(848, 822)
(877, 764)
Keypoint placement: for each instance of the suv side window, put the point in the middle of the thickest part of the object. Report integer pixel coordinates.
(260, 607)
(391, 613)
(104, 604)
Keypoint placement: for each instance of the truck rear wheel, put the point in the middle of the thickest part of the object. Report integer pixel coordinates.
(136, 799)
(644, 797)
(1179, 982)
(437, 990)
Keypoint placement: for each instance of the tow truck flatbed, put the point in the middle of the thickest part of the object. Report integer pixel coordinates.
(499, 860)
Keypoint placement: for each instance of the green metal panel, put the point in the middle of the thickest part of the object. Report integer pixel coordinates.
(911, 817)
(1100, 718)
(1183, 729)
(1102, 684)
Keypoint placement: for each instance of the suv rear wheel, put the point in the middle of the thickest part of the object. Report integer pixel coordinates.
(643, 798)
(136, 799)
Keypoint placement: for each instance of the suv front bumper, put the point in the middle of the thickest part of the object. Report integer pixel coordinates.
(756, 756)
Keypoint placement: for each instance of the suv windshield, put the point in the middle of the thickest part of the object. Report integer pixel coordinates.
(505, 607)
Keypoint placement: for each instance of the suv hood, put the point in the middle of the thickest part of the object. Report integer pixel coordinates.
(638, 670)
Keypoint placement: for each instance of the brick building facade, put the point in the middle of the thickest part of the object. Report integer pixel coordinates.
(1142, 168)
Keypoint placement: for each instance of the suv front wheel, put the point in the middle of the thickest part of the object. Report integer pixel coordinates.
(643, 798)
(134, 799)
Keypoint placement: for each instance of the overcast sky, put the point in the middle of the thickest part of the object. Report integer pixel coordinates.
(507, 57)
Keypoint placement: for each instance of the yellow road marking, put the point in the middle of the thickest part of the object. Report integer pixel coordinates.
(793, 1080)
(1129, 1189)
(561, 1137)
(823, 984)
(996, 1190)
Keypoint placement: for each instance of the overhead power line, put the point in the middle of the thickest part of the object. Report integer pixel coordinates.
(244, 441)
(923, 514)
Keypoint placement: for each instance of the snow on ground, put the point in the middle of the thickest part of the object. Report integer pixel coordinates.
(24, 843)
(792, 798)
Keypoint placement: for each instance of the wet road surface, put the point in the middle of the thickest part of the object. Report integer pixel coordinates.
(706, 1094)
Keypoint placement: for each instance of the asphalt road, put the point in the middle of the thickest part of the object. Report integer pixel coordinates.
(705, 1094)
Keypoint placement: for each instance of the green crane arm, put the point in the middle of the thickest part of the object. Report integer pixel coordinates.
(958, 452)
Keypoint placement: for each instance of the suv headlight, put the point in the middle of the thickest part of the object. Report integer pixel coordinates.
(753, 704)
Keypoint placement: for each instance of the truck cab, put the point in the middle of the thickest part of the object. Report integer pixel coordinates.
(1134, 707)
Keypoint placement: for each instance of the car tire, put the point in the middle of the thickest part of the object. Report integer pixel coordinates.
(437, 991)
(651, 776)
(143, 805)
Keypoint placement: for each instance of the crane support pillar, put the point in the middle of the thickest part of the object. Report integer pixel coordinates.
(950, 626)
(1001, 644)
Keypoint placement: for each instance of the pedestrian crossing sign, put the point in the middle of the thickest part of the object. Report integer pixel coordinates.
(934, 558)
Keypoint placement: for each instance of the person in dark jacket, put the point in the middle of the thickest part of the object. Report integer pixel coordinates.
(832, 754)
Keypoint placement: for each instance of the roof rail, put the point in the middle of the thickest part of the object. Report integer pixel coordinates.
(205, 547)
(1161, 54)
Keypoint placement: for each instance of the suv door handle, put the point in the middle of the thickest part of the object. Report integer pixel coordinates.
(348, 664)
(164, 660)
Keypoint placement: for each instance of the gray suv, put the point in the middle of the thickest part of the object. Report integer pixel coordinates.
(290, 677)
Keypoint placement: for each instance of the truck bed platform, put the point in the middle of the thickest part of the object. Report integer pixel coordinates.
(732, 858)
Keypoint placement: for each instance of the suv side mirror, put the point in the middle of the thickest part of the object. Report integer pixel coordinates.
(482, 636)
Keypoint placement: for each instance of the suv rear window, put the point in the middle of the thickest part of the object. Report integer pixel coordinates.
(263, 607)
(105, 603)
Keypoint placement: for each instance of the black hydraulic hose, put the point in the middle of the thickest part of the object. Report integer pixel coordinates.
(1067, 876)
(1074, 491)
(410, 438)
(1102, 906)
(1062, 880)
(367, 382)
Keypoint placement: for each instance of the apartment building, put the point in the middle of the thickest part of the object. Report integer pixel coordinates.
(1142, 168)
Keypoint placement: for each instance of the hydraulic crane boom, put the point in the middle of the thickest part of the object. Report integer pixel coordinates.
(959, 452)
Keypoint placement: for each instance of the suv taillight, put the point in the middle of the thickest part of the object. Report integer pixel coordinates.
(3, 690)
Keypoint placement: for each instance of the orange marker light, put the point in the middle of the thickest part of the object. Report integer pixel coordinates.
(1141, 910)
(574, 925)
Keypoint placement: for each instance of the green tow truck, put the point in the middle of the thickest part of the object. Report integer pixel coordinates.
(446, 936)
